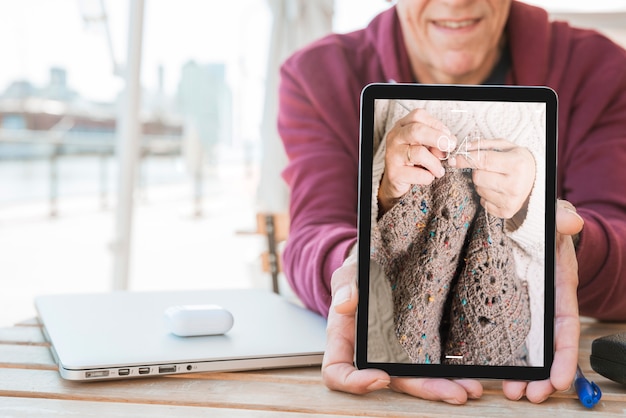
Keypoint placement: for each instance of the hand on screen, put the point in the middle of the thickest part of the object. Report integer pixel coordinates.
(503, 174)
(567, 325)
(338, 370)
(415, 147)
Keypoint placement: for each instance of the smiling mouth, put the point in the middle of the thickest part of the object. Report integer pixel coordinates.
(455, 24)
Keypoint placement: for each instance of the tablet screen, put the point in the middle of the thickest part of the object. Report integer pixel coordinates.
(456, 231)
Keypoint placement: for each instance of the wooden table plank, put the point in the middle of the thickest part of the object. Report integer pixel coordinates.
(28, 376)
(24, 335)
(51, 408)
(29, 322)
(308, 376)
(31, 357)
(38, 356)
(268, 396)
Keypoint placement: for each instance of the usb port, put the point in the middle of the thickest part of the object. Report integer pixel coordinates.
(123, 372)
(144, 370)
(167, 369)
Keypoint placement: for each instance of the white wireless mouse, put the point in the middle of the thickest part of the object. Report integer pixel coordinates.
(195, 320)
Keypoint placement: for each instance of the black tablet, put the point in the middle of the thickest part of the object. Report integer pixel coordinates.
(456, 235)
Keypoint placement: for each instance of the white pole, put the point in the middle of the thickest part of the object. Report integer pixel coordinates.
(128, 144)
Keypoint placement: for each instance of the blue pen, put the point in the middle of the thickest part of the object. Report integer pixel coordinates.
(588, 392)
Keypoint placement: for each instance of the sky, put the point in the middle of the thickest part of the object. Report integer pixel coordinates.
(174, 32)
(39, 34)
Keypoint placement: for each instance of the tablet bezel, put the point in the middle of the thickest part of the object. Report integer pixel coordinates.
(537, 94)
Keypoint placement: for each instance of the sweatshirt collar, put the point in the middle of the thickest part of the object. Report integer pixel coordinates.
(385, 35)
(529, 38)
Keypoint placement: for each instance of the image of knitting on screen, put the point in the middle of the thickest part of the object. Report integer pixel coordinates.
(457, 238)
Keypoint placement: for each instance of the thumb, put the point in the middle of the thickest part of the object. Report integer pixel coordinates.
(344, 290)
(568, 222)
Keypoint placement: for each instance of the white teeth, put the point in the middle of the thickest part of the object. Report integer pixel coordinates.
(455, 24)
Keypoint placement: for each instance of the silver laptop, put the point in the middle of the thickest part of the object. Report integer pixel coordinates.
(118, 335)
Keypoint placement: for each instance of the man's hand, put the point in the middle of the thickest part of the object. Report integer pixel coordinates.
(339, 373)
(337, 368)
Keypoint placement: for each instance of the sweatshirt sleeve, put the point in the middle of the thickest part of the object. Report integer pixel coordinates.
(593, 164)
(320, 135)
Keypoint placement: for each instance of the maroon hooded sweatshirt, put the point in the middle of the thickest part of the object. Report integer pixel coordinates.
(319, 125)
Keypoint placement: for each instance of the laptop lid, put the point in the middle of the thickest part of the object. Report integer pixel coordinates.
(98, 336)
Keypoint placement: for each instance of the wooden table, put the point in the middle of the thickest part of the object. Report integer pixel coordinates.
(30, 386)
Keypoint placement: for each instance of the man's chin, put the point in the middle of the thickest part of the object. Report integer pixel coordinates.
(462, 68)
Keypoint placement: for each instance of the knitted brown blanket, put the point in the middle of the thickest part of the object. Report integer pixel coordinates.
(456, 296)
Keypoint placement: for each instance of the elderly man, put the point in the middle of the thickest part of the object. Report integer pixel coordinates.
(455, 42)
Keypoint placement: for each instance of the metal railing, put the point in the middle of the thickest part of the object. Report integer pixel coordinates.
(53, 145)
